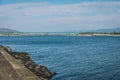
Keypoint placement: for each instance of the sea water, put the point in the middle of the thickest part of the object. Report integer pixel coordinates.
(72, 57)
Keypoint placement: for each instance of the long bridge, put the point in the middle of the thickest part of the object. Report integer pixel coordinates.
(38, 33)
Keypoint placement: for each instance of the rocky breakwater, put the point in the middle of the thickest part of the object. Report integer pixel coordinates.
(41, 71)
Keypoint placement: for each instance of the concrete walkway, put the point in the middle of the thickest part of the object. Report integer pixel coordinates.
(12, 69)
(7, 72)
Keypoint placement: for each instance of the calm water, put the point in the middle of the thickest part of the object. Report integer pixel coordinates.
(73, 58)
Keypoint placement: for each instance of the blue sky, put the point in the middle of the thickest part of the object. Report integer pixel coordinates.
(52, 1)
(59, 15)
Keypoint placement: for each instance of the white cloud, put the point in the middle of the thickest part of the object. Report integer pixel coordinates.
(60, 17)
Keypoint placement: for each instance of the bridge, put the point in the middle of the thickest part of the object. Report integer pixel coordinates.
(38, 33)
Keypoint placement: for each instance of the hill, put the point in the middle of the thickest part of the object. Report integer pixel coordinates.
(108, 30)
(7, 30)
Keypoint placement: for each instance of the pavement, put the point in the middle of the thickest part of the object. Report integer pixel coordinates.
(13, 69)
(7, 72)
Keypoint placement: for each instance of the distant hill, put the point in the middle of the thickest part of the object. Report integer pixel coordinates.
(108, 30)
(7, 30)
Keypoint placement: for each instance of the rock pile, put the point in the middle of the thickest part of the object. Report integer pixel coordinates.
(41, 71)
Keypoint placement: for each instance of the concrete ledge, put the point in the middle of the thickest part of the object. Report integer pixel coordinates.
(22, 71)
(20, 68)
(7, 72)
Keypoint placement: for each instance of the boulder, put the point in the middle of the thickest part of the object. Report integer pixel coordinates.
(43, 71)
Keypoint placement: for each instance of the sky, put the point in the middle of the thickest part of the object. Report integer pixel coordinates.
(59, 15)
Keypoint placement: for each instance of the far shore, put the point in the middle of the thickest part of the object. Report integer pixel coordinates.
(98, 35)
(57, 34)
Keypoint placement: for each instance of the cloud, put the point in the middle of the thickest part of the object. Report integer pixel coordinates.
(44, 16)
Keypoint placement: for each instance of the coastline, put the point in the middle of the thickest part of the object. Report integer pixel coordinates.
(68, 35)
(98, 34)
(57, 34)
(24, 66)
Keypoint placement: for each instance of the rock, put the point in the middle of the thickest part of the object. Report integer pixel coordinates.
(20, 55)
(8, 49)
(1, 46)
(43, 71)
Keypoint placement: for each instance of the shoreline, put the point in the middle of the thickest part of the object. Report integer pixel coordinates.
(24, 66)
(98, 35)
(59, 34)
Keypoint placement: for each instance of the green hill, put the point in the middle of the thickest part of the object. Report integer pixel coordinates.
(7, 30)
(109, 30)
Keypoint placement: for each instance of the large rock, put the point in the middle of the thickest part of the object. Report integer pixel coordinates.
(39, 70)
(43, 71)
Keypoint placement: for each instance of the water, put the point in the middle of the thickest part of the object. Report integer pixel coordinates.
(73, 58)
